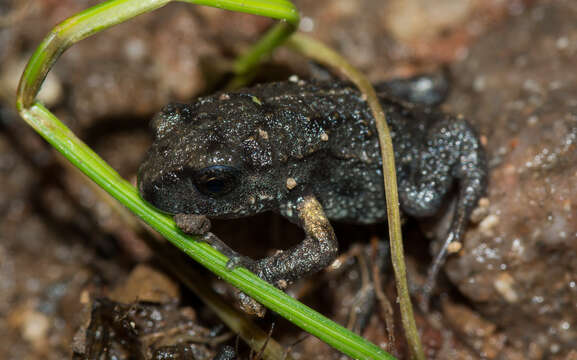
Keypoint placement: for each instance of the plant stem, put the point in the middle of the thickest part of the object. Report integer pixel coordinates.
(321, 53)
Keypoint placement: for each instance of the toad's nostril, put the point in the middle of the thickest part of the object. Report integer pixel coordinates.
(156, 195)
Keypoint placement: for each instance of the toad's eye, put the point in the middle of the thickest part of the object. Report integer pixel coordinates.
(216, 180)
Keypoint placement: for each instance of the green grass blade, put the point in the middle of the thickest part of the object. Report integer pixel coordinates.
(59, 136)
(273, 38)
(276, 9)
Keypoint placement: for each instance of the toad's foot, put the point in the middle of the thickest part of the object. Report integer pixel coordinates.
(200, 225)
(192, 224)
(250, 305)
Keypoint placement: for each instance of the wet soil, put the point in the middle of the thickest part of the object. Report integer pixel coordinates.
(77, 280)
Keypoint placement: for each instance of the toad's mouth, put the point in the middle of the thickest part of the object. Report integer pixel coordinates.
(173, 199)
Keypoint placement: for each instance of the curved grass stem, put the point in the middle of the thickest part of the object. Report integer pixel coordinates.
(110, 13)
(321, 53)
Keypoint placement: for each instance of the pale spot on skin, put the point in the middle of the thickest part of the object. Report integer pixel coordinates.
(291, 183)
(263, 134)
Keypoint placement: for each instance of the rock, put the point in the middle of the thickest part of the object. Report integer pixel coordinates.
(519, 266)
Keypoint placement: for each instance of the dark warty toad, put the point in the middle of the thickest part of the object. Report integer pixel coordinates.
(309, 151)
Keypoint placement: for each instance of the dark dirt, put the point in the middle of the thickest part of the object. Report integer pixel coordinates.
(66, 257)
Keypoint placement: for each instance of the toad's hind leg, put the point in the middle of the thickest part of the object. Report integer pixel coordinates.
(451, 152)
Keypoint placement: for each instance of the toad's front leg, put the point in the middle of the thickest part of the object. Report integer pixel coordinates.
(318, 249)
(314, 253)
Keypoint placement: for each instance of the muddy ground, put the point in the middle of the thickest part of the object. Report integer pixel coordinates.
(71, 267)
